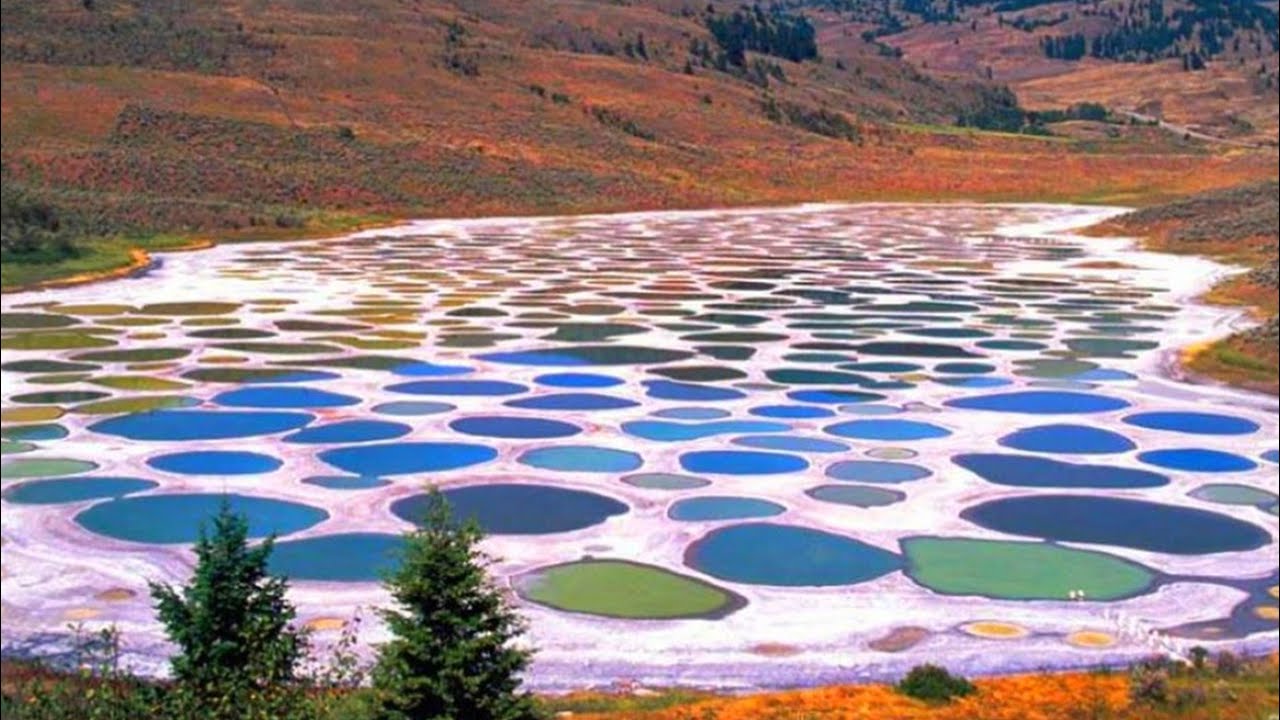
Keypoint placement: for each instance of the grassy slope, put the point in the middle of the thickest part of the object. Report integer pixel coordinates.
(1239, 226)
(227, 120)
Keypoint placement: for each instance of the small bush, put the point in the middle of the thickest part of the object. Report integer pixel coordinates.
(32, 230)
(1198, 656)
(1189, 697)
(613, 119)
(932, 683)
(1149, 685)
(1228, 664)
(289, 220)
(820, 121)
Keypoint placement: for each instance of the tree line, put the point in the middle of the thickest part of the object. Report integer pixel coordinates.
(774, 31)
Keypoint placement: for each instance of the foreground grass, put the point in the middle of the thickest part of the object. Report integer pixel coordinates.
(1245, 691)
(1102, 695)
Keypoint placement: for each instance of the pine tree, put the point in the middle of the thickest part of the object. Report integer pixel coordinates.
(237, 651)
(452, 656)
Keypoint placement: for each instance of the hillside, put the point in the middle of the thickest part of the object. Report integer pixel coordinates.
(1200, 65)
(158, 122)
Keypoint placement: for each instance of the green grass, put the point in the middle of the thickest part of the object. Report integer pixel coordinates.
(617, 588)
(1020, 570)
(1242, 361)
(617, 703)
(97, 256)
(976, 132)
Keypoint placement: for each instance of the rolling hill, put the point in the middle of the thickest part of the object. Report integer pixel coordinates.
(156, 121)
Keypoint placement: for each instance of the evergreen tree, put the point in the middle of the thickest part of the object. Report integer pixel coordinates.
(237, 651)
(451, 657)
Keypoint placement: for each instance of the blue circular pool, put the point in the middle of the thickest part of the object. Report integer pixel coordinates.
(167, 519)
(345, 557)
(580, 402)
(176, 425)
(523, 428)
(1068, 440)
(402, 458)
(787, 555)
(461, 388)
(1195, 423)
(1041, 402)
(741, 462)
(215, 462)
(1123, 522)
(889, 429)
(284, 397)
(1197, 460)
(876, 471)
(349, 431)
(75, 489)
(518, 509)
(1030, 471)
(582, 458)
(577, 380)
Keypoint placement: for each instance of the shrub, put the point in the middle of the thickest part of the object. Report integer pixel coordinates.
(616, 120)
(289, 220)
(32, 230)
(932, 683)
(1198, 656)
(1228, 663)
(1189, 697)
(1149, 685)
(820, 121)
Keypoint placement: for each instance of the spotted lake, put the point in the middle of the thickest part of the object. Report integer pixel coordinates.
(730, 448)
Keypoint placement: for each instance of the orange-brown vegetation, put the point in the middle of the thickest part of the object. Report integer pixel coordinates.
(1066, 696)
(1242, 690)
(428, 109)
(1223, 99)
